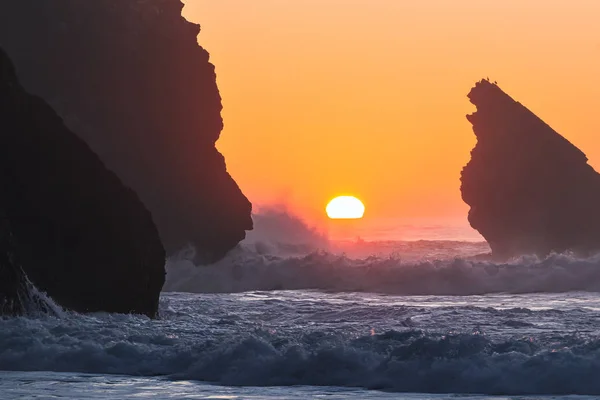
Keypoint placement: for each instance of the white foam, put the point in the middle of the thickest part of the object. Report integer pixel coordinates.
(407, 361)
(247, 270)
(37, 302)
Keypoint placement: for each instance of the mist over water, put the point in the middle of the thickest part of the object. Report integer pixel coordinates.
(283, 253)
(278, 231)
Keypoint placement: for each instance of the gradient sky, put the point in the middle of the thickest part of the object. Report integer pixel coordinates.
(368, 97)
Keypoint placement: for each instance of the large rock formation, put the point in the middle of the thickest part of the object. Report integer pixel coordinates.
(78, 233)
(530, 190)
(130, 78)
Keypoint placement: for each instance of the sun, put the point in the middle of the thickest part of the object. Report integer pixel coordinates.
(345, 207)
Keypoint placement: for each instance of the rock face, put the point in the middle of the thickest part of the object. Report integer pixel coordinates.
(129, 77)
(530, 190)
(12, 278)
(78, 233)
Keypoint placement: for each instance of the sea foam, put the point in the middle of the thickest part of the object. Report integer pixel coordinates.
(284, 253)
(409, 360)
(247, 270)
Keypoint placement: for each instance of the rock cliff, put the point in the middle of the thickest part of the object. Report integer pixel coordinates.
(12, 278)
(530, 190)
(130, 78)
(78, 233)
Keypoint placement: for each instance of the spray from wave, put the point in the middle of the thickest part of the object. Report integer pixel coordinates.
(285, 254)
(38, 303)
(277, 231)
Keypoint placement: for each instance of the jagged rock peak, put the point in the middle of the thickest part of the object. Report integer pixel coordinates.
(531, 191)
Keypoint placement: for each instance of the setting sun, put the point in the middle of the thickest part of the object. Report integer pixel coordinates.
(345, 207)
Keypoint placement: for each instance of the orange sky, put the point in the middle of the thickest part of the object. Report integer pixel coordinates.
(368, 97)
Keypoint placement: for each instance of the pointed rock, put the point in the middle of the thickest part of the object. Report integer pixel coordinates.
(530, 190)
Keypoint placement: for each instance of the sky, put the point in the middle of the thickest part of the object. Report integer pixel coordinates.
(368, 97)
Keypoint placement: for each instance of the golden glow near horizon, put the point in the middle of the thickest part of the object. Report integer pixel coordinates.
(345, 207)
(369, 96)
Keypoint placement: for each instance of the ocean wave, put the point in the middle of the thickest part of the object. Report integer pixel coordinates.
(247, 270)
(404, 361)
(407, 362)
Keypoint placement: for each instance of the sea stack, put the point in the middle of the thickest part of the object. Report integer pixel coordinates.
(129, 77)
(66, 221)
(530, 190)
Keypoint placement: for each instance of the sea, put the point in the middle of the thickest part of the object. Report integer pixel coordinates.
(292, 314)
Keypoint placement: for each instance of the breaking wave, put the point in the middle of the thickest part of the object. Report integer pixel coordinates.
(247, 270)
(406, 361)
(284, 253)
(28, 299)
(38, 303)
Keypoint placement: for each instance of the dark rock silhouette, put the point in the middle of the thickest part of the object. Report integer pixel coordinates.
(130, 78)
(530, 190)
(12, 278)
(76, 231)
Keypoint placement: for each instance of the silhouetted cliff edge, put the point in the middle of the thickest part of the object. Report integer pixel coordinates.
(530, 190)
(78, 233)
(130, 78)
